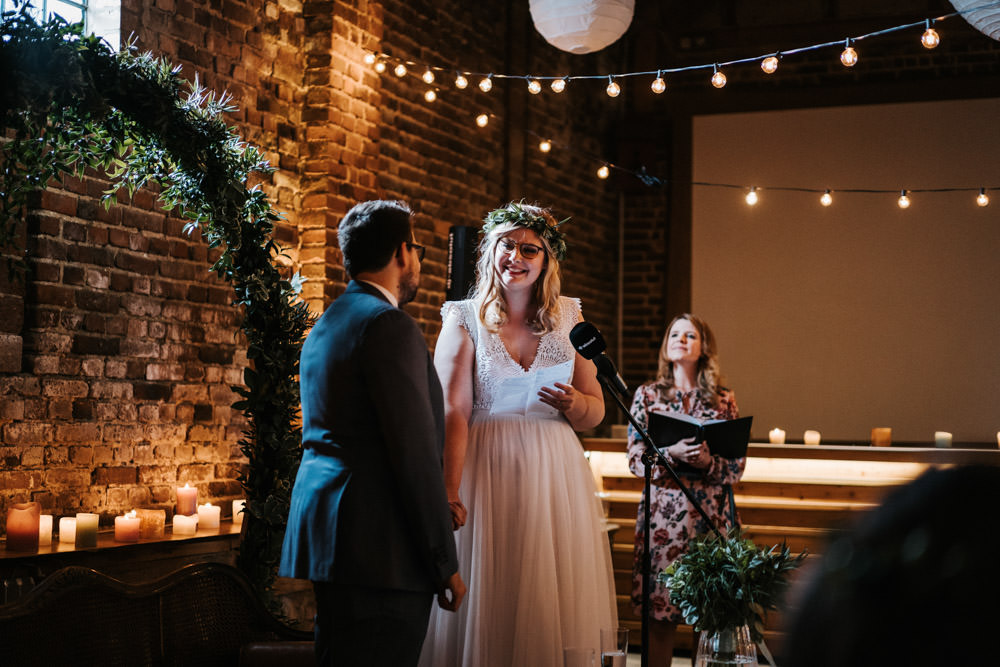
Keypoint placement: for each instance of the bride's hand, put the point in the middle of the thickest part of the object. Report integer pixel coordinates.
(458, 513)
(564, 398)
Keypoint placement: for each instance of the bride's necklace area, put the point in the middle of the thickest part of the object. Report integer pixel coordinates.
(520, 347)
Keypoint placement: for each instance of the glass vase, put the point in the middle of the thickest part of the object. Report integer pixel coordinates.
(731, 646)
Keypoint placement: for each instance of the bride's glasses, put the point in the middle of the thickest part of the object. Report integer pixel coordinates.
(527, 250)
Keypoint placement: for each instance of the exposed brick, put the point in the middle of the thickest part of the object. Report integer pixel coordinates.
(101, 345)
(151, 391)
(121, 475)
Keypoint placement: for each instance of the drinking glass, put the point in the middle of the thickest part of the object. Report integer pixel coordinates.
(578, 656)
(614, 647)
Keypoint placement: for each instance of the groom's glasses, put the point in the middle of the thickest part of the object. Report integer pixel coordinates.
(420, 249)
(527, 250)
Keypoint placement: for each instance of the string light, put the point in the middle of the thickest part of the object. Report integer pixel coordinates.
(603, 172)
(904, 200)
(718, 78)
(461, 82)
(558, 85)
(751, 197)
(370, 58)
(380, 66)
(428, 77)
(400, 70)
(545, 145)
(482, 120)
(769, 64)
(534, 87)
(486, 84)
(658, 85)
(849, 57)
(826, 198)
(613, 89)
(930, 38)
(430, 95)
(982, 199)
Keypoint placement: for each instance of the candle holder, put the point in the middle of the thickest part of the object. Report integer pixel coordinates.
(22, 526)
(152, 523)
(882, 437)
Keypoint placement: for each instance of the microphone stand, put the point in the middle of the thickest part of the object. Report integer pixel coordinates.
(650, 457)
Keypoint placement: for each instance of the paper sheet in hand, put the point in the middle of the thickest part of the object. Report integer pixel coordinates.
(519, 395)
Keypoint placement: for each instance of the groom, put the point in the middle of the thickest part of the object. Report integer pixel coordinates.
(369, 522)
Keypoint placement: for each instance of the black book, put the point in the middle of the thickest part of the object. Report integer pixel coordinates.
(727, 438)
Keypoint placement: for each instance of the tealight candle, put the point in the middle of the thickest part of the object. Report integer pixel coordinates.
(67, 530)
(22, 526)
(45, 530)
(86, 529)
(882, 437)
(239, 505)
(208, 515)
(187, 500)
(811, 437)
(776, 436)
(151, 523)
(942, 439)
(185, 525)
(127, 527)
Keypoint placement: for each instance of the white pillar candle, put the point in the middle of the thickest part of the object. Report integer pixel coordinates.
(811, 437)
(776, 436)
(942, 439)
(208, 515)
(185, 525)
(127, 527)
(67, 530)
(86, 529)
(239, 505)
(187, 500)
(45, 530)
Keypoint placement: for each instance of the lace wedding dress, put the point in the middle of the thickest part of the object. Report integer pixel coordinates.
(532, 552)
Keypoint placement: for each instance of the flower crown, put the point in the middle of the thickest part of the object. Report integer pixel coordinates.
(516, 214)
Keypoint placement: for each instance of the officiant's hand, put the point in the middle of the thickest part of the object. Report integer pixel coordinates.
(691, 452)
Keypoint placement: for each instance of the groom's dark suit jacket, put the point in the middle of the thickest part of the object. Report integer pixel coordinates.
(369, 506)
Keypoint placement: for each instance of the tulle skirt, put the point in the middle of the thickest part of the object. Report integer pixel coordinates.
(533, 552)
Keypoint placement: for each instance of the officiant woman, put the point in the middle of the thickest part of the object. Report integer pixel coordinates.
(688, 381)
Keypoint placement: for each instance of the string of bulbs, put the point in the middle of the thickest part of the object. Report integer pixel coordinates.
(769, 62)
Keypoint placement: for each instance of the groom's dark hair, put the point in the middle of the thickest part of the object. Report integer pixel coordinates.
(371, 232)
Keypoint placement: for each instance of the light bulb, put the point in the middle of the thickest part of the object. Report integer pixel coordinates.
(461, 82)
(930, 38)
(428, 77)
(826, 198)
(658, 85)
(982, 199)
(534, 87)
(482, 119)
(613, 89)
(380, 67)
(752, 198)
(430, 95)
(370, 59)
(718, 78)
(903, 201)
(769, 64)
(486, 84)
(400, 70)
(603, 172)
(545, 146)
(849, 57)
(558, 85)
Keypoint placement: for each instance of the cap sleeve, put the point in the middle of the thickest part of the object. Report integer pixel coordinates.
(457, 311)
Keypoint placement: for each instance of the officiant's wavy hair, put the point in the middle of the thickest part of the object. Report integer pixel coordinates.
(487, 292)
(708, 375)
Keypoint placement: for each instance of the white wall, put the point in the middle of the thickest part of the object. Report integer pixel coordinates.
(858, 315)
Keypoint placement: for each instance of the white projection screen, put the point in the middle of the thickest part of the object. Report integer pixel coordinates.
(860, 314)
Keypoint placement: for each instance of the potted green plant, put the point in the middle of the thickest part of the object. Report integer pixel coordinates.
(723, 587)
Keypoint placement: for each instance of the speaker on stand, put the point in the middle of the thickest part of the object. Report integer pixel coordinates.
(462, 245)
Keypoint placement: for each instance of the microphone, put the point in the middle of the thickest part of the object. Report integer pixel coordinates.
(589, 342)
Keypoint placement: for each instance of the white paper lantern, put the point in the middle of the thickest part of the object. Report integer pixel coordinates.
(986, 21)
(581, 26)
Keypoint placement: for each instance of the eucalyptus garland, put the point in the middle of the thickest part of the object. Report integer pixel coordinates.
(69, 103)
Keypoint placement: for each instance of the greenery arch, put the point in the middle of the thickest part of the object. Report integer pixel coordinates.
(69, 103)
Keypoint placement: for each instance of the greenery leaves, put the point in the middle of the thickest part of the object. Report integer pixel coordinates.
(725, 583)
(69, 104)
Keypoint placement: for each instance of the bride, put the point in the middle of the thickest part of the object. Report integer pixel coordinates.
(530, 543)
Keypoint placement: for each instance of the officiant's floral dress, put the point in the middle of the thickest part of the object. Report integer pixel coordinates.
(675, 521)
(533, 551)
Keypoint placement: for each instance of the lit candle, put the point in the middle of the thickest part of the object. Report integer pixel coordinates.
(187, 500)
(86, 529)
(22, 526)
(151, 523)
(127, 527)
(942, 439)
(208, 515)
(998, 438)
(67, 530)
(185, 525)
(45, 530)
(882, 437)
(776, 436)
(239, 505)
(811, 437)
